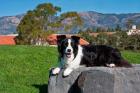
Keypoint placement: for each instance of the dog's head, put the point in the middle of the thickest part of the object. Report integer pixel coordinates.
(68, 47)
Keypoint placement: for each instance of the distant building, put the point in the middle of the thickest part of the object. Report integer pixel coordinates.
(133, 31)
(8, 39)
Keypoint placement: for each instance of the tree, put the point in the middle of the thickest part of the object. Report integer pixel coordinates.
(88, 30)
(45, 12)
(87, 36)
(138, 27)
(101, 29)
(110, 29)
(34, 24)
(102, 38)
(112, 40)
(27, 28)
(70, 20)
(118, 28)
(134, 41)
(129, 23)
(122, 38)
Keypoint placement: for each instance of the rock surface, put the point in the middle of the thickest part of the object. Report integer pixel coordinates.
(97, 80)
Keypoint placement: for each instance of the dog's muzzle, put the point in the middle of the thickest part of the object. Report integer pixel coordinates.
(68, 54)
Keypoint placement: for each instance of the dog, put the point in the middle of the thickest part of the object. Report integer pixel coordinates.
(72, 55)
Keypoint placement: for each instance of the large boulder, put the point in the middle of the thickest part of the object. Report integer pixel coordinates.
(97, 80)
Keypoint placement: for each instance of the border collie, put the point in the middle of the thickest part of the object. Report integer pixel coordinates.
(72, 55)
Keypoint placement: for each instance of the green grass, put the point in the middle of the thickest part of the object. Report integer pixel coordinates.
(25, 69)
(131, 56)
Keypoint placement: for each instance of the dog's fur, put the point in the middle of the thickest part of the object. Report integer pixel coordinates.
(72, 55)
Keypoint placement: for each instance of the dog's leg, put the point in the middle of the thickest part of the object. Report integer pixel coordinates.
(56, 70)
(110, 65)
(67, 72)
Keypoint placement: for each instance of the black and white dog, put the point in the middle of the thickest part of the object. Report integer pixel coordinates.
(72, 55)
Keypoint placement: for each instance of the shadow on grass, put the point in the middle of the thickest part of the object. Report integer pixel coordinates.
(42, 88)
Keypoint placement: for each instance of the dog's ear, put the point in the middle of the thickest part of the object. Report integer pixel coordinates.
(60, 38)
(76, 39)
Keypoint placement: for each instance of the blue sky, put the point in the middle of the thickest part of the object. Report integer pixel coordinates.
(14, 7)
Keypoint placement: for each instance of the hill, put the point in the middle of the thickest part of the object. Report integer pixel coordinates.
(8, 24)
(95, 19)
(91, 19)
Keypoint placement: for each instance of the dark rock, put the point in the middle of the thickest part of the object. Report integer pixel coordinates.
(97, 80)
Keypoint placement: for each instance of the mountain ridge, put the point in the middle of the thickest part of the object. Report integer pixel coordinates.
(91, 19)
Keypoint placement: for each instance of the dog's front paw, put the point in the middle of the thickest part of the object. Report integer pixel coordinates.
(67, 72)
(55, 71)
(111, 65)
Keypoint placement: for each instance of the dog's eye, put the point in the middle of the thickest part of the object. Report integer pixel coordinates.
(66, 44)
(72, 43)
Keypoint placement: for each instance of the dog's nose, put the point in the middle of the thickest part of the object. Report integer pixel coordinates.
(69, 50)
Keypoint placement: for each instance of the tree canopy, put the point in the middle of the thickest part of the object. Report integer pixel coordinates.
(70, 20)
(43, 20)
(36, 22)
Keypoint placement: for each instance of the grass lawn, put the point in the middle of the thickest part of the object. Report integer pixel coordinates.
(24, 69)
(132, 57)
